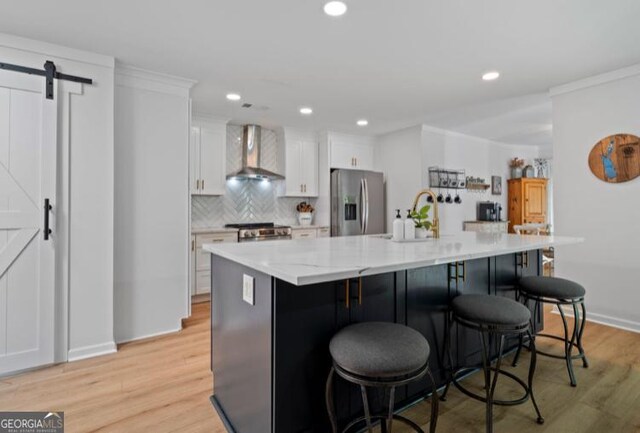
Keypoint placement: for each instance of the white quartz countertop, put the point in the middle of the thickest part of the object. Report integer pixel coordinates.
(309, 261)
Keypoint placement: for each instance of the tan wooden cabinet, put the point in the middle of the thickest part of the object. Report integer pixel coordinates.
(527, 201)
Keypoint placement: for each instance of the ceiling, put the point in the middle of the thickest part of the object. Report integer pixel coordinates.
(395, 63)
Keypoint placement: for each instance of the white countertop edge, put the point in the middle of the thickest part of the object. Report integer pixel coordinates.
(212, 230)
(335, 273)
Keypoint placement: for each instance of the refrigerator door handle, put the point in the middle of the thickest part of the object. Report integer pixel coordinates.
(366, 206)
(362, 205)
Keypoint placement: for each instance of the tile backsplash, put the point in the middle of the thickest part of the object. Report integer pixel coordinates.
(246, 200)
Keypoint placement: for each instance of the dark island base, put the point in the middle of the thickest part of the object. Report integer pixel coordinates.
(270, 360)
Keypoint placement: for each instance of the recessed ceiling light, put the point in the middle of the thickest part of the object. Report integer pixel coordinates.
(490, 76)
(306, 110)
(233, 97)
(362, 122)
(335, 8)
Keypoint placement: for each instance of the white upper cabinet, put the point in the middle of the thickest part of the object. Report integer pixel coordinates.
(350, 152)
(207, 168)
(300, 154)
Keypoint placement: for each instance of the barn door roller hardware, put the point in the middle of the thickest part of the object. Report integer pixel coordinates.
(49, 72)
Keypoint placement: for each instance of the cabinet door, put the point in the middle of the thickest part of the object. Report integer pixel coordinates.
(342, 155)
(203, 258)
(535, 202)
(351, 155)
(363, 155)
(203, 282)
(303, 234)
(212, 159)
(293, 169)
(427, 304)
(306, 320)
(476, 281)
(529, 263)
(309, 165)
(194, 161)
(372, 299)
(324, 232)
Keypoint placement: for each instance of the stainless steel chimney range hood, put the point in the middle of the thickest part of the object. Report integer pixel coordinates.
(251, 143)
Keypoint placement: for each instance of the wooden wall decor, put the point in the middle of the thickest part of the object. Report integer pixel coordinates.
(616, 159)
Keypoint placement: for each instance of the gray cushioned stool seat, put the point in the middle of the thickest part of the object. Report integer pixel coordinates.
(551, 287)
(377, 349)
(490, 310)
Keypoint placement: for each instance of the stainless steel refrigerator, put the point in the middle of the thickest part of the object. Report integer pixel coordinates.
(357, 202)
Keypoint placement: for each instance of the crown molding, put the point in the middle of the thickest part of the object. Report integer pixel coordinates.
(131, 76)
(198, 118)
(596, 80)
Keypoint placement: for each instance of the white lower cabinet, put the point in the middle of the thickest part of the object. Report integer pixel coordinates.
(310, 233)
(324, 232)
(201, 262)
(304, 233)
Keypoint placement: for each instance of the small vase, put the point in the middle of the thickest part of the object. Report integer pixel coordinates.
(516, 172)
(421, 233)
(305, 218)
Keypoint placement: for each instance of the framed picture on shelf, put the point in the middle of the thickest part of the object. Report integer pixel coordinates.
(496, 185)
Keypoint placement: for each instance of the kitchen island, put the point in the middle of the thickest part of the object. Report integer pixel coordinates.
(276, 305)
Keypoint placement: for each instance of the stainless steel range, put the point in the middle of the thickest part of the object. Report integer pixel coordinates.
(261, 231)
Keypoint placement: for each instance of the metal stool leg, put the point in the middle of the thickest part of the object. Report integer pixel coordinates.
(447, 350)
(532, 370)
(585, 362)
(329, 402)
(434, 405)
(521, 336)
(365, 403)
(567, 346)
(517, 355)
(486, 368)
(392, 394)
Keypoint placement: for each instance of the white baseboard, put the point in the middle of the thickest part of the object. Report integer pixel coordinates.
(92, 351)
(155, 334)
(626, 325)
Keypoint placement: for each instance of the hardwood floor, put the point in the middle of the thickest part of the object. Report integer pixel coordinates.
(163, 385)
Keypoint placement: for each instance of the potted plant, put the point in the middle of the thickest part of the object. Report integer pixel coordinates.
(516, 165)
(421, 222)
(305, 213)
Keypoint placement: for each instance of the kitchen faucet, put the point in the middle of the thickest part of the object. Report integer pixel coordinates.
(435, 225)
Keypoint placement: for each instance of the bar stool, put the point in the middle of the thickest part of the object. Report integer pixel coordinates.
(492, 316)
(379, 355)
(559, 292)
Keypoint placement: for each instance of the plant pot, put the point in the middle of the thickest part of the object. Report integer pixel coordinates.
(516, 172)
(421, 233)
(305, 218)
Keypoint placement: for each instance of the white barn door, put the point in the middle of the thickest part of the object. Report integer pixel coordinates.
(27, 261)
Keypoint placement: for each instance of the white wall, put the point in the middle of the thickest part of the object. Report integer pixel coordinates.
(85, 194)
(479, 158)
(606, 215)
(406, 155)
(399, 156)
(151, 203)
